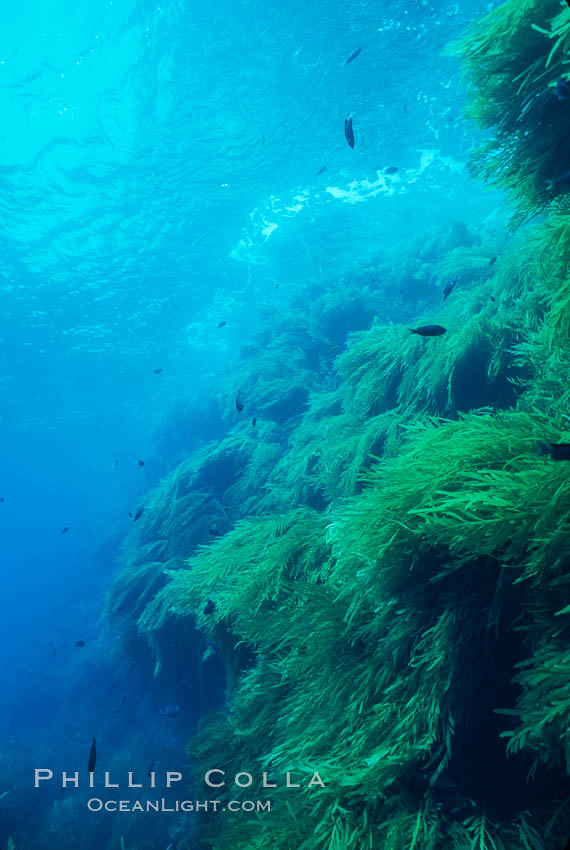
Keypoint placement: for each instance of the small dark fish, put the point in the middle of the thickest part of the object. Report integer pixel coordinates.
(557, 451)
(239, 402)
(138, 514)
(140, 462)
(221, 324)
(277, 285)
(254, 422)
(492, 297)
(429, 330)
(64, 530)
(209, 607)
(1, 500)
(449, 286)
(321, 171)
(116, 463)
(92, 757)
(156, 371)
(117, 710)
(563, 180)
(392, 169)
(353, 56)
(561, 90)
(170, 711)
(79, 643)
(492, 261)
(349, 132)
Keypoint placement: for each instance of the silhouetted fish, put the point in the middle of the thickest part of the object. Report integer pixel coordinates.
(320, 171)
(138, 514)
(156, 371)
(429, 330)
(170, 711)
(392, 169)
(79, 643)
(1, 499)
(448, 289)
(254, 422)
(557, 451)
(209, 607)
(140, 462)
(239, 402)
(492, 261)
(221, 324)
(64, 530)
(353, 56)
(349, 132)
(92, 757)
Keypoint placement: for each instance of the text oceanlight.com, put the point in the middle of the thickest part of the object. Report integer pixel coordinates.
(95, 804)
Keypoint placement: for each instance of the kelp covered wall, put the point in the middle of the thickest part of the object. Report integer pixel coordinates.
(381, 560)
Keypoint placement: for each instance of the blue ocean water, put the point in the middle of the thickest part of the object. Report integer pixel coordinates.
(159, 175)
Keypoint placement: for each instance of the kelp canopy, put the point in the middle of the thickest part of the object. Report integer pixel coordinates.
(390, 573)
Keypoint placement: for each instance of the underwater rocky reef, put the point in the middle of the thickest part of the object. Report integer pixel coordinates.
(379, 564)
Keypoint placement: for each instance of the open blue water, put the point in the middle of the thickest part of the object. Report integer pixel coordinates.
(158, 174)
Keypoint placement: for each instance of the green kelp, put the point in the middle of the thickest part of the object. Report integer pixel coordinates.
(389, 367)
(375, 644)
(542, 352)
(402, 630)
(387, 582)
(513, 57)
(327, 452)
(264, 563)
